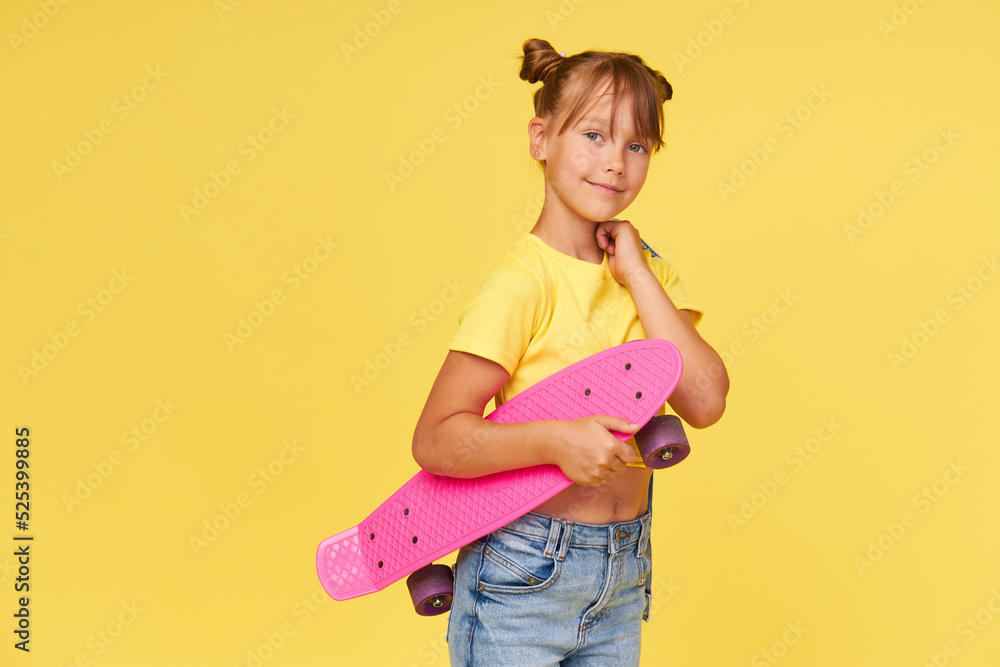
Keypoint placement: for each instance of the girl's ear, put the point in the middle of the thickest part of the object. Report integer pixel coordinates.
(536, 138)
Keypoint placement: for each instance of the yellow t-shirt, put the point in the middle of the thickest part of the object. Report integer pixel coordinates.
(540, 310)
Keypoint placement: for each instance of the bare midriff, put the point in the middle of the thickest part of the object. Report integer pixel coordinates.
(620, 499)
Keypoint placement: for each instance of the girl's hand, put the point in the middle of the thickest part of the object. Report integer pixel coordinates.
(621, 241)
(589, 454)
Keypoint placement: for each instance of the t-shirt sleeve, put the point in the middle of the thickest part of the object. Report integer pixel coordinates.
(671, 282)
(500, 321)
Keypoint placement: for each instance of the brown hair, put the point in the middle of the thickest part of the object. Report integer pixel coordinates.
(629, 76)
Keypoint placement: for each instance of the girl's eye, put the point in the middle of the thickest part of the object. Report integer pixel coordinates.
(593, 135)
(637, 148)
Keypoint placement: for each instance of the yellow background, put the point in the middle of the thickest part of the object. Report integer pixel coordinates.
(895, 74)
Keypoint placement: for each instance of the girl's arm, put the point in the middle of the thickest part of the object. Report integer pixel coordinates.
(700, 397)
(452, 437)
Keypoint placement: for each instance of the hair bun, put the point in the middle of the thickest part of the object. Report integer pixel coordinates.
(668, 91)
(540, 60)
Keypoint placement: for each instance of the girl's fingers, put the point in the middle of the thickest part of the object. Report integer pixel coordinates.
(606, 237)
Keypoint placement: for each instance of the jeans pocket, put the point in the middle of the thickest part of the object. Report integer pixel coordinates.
(516, 565)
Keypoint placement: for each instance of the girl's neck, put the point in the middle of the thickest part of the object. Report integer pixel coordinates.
(569, 234)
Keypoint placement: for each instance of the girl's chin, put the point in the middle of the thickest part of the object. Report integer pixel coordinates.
(598, 217)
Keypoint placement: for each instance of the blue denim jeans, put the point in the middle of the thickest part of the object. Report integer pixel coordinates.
(545, 591)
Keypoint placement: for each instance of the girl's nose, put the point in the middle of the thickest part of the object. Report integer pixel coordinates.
(614, 161)
(614, 165)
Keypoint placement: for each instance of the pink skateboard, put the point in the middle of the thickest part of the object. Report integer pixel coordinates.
(431, 515)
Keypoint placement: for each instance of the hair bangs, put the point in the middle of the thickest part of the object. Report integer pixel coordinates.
(629, 86)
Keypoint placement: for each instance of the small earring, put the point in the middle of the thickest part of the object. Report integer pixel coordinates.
(536, 153)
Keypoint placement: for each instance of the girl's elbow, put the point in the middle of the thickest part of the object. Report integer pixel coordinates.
(704, 401)
(421, 450)
(707, 414)
(429, 457)
(715, 401)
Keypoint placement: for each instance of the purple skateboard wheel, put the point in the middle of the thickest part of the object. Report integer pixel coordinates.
(662, 442)
(431, 588)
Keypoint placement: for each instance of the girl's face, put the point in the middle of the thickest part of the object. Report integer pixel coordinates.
(590, 175)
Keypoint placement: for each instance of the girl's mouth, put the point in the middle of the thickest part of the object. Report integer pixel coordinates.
(606, 189)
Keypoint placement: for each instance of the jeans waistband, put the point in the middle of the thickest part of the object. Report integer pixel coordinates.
(560, 534)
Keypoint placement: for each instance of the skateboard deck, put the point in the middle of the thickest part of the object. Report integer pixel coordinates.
(432, 515)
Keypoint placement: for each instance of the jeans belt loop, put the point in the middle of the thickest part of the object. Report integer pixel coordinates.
(553, 541)
(643, 536)
(567, 532)
(613, 539)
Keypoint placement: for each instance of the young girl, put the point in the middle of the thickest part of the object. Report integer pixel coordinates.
(564, 583)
